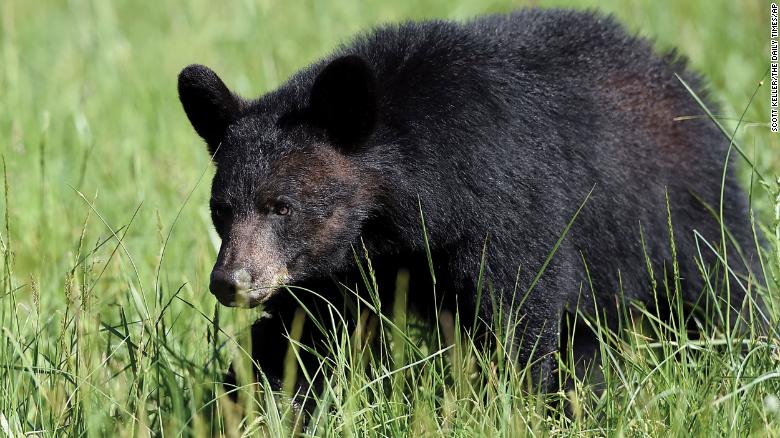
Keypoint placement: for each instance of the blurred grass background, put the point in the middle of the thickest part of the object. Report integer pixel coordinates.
(88, 104)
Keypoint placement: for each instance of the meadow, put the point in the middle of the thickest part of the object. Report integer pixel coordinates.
(106, 242)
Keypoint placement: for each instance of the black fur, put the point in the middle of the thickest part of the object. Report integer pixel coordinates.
(497, 129)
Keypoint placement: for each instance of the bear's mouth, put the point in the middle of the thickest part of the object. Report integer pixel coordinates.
(248, 298)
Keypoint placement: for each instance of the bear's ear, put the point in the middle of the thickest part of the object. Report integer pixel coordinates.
(209, 105)
(343, 101)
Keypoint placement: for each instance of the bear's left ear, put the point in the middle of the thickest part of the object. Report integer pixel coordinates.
(343, 101)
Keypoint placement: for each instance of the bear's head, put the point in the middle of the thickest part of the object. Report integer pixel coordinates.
(289, 195)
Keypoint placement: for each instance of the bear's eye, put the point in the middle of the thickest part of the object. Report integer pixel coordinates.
(281, 206)
(281, 209)
(220, 210)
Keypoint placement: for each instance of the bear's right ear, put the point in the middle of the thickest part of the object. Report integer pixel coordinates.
(209, 105)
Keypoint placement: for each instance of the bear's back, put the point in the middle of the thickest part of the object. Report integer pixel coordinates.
(538, 107)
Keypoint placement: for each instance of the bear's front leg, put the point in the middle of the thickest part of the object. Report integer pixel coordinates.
(271, 343)
(532, 339)
(286, 341)
(271, 351)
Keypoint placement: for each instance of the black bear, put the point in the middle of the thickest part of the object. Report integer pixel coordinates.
(495, 131)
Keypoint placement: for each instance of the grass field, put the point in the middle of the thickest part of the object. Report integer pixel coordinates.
(108, 326)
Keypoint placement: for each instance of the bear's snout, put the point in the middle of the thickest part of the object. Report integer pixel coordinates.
(249, 268)
(238, 288)
(230, 286)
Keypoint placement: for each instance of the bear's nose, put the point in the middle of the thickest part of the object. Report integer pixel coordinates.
(226, 284)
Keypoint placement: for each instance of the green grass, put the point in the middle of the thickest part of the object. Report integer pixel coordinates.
(108, 326)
